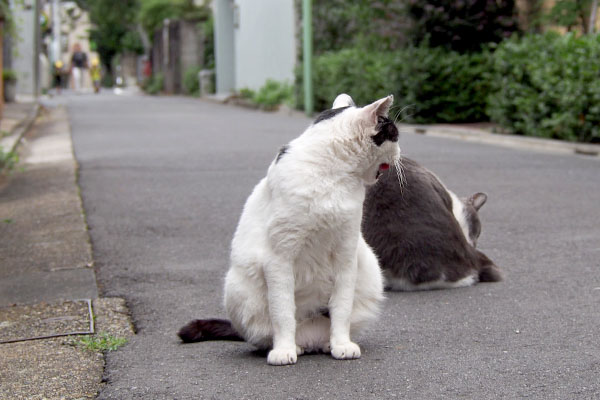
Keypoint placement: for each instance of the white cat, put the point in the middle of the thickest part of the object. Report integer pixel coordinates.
(302, 278)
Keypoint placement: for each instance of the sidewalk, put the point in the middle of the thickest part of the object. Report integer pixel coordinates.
(48, 288)
(483, 134)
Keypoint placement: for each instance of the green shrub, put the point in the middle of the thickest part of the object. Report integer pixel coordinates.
(442, 85)
(548, 86)
(246, 93)
(191, 82)
(154, 84)
(272, 94)
(431, 85)
(9, 75)
(365, 76)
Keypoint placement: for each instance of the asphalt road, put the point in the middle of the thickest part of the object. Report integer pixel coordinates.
(164, 181)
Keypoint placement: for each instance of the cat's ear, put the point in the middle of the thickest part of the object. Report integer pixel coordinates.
(343, 100)
(477, 200)
(379, 108)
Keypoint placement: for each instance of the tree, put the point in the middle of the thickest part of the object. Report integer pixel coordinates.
(373, 24)
(571, 14)
(152, 13)
(593, 13)
(462, 25)
(114, 27)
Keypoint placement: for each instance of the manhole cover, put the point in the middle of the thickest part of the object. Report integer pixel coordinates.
(42, 320)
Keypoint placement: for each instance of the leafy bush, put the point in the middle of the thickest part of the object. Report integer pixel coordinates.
(364, 75)
(271, 95)
(246, 93)
(433, 85)
(548, 85)
(154, 84)
(191, 82)
(9, 75)
(443, 86)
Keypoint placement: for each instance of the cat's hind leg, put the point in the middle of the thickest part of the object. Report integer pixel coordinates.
(368, 294)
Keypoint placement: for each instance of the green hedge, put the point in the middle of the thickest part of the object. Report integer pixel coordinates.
(538, 85)
(548, 85)
(432, 85)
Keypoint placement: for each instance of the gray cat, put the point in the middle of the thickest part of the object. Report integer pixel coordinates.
(423, 234)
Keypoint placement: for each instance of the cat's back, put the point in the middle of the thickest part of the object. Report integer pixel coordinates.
(412, 228)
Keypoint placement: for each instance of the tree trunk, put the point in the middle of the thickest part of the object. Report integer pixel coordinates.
(593, 13)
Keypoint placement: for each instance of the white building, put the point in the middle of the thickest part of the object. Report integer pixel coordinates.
(255, 40)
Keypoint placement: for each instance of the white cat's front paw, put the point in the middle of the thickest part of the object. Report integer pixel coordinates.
(283, 356)
(345, 351)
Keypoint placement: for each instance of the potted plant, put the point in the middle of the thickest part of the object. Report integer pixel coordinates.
(9, 77)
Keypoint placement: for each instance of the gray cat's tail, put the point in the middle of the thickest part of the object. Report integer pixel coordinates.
(488, 271)
(200, 330)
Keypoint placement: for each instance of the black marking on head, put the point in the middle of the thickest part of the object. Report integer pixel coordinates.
(386, 130)
(282, 151)
(328, 114)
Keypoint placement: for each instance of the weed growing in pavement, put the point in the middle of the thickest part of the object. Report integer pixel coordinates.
(8, 160)
(102, 341)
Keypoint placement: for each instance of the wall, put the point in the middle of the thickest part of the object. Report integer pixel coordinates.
(24, 56)
(264, 42)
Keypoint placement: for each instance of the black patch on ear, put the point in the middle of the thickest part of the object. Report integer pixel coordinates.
(328, 114)
(282, 151)
(386, 130)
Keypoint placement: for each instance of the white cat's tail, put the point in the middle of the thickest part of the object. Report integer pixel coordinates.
(200, 330)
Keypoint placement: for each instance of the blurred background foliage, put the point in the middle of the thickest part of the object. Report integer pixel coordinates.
(532, 69)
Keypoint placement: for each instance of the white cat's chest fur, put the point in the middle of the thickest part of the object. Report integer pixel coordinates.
(305, 209)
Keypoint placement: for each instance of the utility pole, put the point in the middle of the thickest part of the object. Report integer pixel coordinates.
(55, 54)
(307, 54)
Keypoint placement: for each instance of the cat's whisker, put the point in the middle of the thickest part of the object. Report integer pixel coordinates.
(400, 172)
(400, 113)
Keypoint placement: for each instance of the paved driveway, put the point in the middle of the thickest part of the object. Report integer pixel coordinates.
(164, 181)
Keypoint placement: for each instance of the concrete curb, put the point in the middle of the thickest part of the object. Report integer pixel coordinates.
(14, 138)
(510, 141)
(474, 135)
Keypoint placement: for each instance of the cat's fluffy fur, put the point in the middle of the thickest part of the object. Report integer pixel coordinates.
(302, 278)
(423, 234)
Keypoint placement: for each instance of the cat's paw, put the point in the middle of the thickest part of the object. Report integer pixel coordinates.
(283, 356)
(299, 350)
(345, 351)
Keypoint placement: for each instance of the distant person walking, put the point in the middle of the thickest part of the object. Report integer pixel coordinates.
(79, 62)
(58, 76)
(95, 74)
